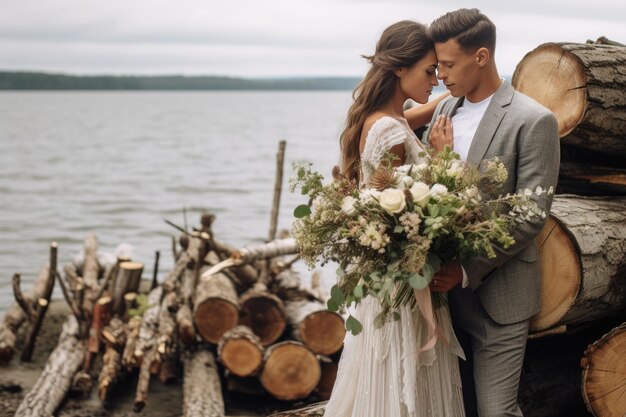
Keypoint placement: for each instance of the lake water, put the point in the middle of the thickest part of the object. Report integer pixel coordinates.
(119, 163)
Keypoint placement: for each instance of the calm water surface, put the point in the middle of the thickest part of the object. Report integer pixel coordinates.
(119, 163)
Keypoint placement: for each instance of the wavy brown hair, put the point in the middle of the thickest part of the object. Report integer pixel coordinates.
(400, 46)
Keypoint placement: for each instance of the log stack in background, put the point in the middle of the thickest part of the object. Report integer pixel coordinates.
(583, 244)
(584, 85)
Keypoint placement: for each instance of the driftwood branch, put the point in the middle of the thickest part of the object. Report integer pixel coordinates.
(68, 298)
(19, 298)
(42, 305)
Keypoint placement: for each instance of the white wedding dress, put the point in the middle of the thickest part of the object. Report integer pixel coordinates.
(382, 372)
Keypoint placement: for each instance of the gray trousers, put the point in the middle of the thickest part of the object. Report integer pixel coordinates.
(495, 354)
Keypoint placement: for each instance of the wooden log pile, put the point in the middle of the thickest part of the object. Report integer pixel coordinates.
(583, 85)
(583, 244)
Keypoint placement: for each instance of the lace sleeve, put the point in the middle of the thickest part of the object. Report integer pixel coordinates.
(384, 134)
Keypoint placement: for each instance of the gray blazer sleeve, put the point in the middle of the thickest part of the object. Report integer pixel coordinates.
(537, 165)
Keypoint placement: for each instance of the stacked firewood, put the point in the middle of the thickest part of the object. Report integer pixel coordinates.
(583, 245)
(252, 323)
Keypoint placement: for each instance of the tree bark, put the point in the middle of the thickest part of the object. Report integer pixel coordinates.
(202, 388)
(216, 308)
(132, 335)
(278, 247)
(288, 286)
(264, 313)
(584, 86)
(240, 351)
(166, 341)
(291, 371)
(313, 324)
(114, 336)
(55, 380)
(604, 374)
(583, 261)
(110, 373)
(148, 330)
(184, 324)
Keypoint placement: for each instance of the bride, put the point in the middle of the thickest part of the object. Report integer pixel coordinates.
(387, 372)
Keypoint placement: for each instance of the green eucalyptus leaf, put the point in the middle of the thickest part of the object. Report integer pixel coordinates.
(332, 305)
(353, 325)
(301, 211)
(337, 294)
(358, 291)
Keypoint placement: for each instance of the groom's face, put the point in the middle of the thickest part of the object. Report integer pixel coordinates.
(458, 69)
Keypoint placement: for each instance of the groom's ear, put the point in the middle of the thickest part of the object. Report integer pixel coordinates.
(482, 56)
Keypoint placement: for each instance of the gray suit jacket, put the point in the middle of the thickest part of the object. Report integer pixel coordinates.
(524, 136)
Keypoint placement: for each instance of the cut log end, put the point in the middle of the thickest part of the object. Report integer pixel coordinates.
(604, 374)
(241, 357)
(291, 371)
(265, 316)
(323, 332)
(214, 317)
(555, 78)
(559, 258)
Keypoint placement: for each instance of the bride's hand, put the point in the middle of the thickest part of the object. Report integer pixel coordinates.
(441, 133)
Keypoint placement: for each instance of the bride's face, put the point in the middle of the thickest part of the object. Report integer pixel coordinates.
(417, 82)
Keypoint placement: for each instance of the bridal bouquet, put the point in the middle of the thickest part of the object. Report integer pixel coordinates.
(392, 236)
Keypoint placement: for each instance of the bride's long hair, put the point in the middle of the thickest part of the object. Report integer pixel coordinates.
(400, 46)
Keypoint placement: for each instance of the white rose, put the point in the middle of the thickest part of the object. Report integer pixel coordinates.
(392, 200)
(347, 205)
(405, 182)
(420, 193)
(404, 169)
(456, 169)
(437, 190)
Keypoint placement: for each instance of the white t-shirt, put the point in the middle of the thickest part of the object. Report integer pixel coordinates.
(464, 125)
(465, 122)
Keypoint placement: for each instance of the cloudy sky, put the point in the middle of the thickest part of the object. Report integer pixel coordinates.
(263, 38)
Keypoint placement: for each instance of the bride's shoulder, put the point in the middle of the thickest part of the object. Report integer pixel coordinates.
(380, 124)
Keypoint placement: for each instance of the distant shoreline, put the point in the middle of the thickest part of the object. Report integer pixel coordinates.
(41, 81)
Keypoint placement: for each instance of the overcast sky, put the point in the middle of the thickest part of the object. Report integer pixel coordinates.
(264, 38)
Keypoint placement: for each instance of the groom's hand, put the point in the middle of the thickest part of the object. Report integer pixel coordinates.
(449, 276)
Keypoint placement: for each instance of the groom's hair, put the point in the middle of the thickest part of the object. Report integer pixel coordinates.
(469, 27)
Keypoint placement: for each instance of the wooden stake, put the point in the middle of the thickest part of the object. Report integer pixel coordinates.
(278, 184)
(155, 272)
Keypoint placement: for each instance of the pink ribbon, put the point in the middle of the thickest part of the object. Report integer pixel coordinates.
(425, 305)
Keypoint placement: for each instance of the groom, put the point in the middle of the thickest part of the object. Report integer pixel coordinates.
(491, 311)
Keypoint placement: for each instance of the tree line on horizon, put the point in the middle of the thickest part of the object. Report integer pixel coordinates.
(47, 81)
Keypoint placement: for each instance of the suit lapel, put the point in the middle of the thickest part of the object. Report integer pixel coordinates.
(489, 123)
